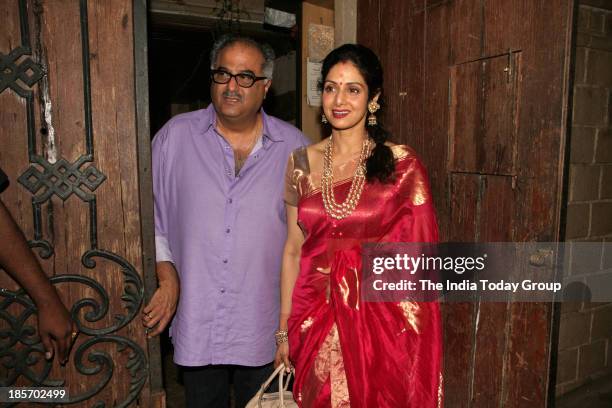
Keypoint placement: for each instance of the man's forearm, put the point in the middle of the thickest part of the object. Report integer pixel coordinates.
(166, 272)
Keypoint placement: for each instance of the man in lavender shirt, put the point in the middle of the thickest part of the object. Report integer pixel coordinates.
(220, 227)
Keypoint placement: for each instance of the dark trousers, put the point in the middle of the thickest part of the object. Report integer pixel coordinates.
(209, 386)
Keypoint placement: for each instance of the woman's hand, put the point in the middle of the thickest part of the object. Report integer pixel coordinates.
(282, 356)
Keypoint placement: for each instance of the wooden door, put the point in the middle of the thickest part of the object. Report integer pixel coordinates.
(480, 89)
(75, 140)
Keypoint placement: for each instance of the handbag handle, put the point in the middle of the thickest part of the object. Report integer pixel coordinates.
(279, 371)
(281, 389)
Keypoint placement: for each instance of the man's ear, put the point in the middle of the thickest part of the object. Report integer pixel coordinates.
(267, 87)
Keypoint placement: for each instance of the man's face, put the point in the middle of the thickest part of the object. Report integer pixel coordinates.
(232, 101)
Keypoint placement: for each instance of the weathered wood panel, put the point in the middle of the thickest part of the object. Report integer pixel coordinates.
(460, 318)
(489, 122)
(498, 202)
(496, 207)
(412, 90)
(368, 23)
(72, 156)
(466, 30)
(436, 55)
(482, 115)
(391, 57)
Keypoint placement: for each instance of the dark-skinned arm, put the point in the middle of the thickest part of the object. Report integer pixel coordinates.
(55, 326)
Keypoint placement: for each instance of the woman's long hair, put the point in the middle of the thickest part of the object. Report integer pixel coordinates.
(381, 164)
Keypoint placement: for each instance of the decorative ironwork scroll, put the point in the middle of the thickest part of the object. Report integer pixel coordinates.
(20, 348)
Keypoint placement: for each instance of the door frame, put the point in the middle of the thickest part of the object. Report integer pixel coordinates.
(145, 187)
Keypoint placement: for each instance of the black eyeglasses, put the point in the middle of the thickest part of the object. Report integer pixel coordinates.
(243, 79)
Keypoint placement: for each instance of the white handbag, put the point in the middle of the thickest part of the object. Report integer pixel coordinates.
(281, 399)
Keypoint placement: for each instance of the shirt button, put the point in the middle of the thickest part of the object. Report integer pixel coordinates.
(227, 231)
(230, 200)
(222, 291)
(225, 261)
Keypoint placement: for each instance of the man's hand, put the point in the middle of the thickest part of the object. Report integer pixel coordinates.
(161, 308)
(56, 329)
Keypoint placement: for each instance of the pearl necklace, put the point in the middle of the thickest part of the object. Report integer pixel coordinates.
(333, 209)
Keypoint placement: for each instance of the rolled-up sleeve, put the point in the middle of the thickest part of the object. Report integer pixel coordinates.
(160, 194)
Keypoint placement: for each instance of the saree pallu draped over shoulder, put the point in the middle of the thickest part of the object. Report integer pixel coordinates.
(349, 353)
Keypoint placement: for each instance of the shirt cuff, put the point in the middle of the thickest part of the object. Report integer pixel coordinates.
(162, 250)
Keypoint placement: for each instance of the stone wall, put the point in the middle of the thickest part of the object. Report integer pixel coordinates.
(585, 339)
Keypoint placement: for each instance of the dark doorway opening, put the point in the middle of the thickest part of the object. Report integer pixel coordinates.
(179, 67)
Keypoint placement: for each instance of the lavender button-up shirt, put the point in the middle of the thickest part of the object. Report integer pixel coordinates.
(225, 236)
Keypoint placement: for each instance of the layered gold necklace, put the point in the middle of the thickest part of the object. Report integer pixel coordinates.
(334, 209)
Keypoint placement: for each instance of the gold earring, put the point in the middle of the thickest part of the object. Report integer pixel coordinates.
(323, 118)
(373, 106)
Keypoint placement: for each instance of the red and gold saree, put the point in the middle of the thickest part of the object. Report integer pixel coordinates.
(347, 352)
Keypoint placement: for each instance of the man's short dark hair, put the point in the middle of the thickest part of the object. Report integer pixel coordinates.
(227, 40)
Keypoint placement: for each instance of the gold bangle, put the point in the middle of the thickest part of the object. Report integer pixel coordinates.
(281, 336)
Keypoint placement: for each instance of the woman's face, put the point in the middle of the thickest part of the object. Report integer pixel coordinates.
(345, 97)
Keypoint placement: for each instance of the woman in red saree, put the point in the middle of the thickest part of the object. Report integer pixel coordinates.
(351, 188)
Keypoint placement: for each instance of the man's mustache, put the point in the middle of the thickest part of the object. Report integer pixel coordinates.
(232, 94)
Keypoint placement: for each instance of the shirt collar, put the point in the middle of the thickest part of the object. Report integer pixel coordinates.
(209, 120)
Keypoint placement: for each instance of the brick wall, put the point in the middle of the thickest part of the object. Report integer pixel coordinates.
(585, 338)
